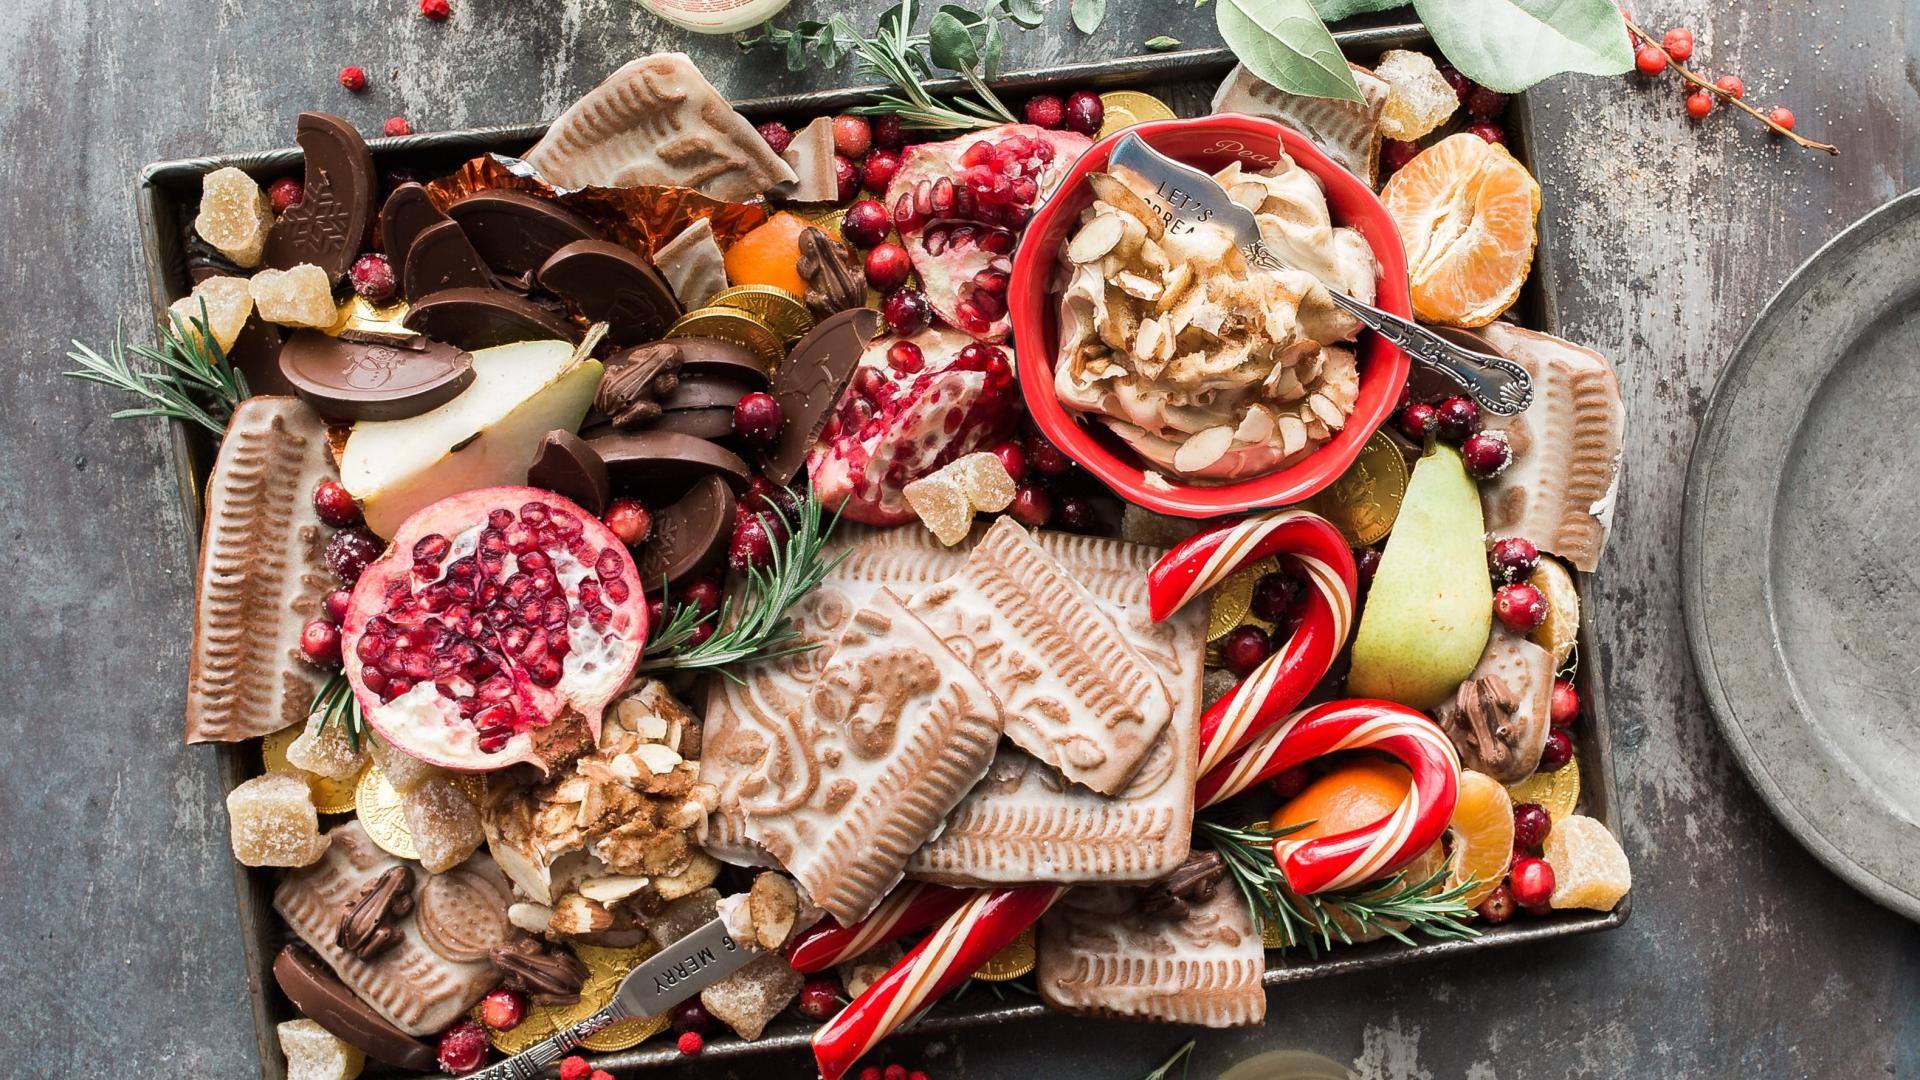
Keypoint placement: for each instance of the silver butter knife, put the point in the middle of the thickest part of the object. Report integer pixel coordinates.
(662, 981)
(1185, 196)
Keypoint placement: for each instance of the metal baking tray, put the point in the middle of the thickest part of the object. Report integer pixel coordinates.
(1185, 80)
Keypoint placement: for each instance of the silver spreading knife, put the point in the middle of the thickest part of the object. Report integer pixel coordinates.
(1184, 195)
(663, 980)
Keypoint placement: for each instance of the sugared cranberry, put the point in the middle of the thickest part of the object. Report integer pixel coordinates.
(906, 311)
(1649, 60)
(656, 616)
(1782, 116)
(1032, 506)
(575, 1068)
(372, 277)
(1245, 648)
(852, 135)
(847, 176)
(285, 193)
(1487, 454)
(337, 603)
(1456, 418)
(1492, 133)
(1557, 751)
(1485, 104)
(690, 1044)
(702, 633)
(335, 505)
(462, 1048)
(756, 418)
(1731, 86)
(690, 1016)
(1012, 458)
(350, 551)
(395, 127)
(1679, 43)
(353, 78)
(1699, 104)
(877, 169)
(1047, 111)
(1419, 420)
(906, 358)
(1520, 607)
(1512, 559)
(1277, 596)
(629, 521)
(778, 135)
(435, 10)
(1532, 882)
(1290, 782)
(888, 134)
(1075, 512)
(1366, 563)
(1462, 86)
(1395, 154)
(1531, 823)
(819, 997)
(1046, 458)
(702, 594)
(1566, 703)
(320, 642)
(752, 545)
(887, 267)
(1085, 112)
(503, 1009)
(1498, 907)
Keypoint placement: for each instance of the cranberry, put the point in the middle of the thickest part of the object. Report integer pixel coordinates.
(320, 642)
(1531, 823)
(906, 311)
(887, 267)
(1485, 104)
(1487, 454)
(350, 551)
(1290, 782)
(778, 135)
(1566, 703)
(1512, 559)
(1782, 116)
(1031, 507)
(877, 170)
(1245, 648)
(1085, 112)
(888, 134)
(701, 634)
(629, 521)
(1395, 154)
(335, 505)
(372, 277)
(575, 1067)
(866, 223)
(1492, 133)
(353, 78)
(286, 193)
(1456, 418)
(690, 1016)
(1366, 563)
(1731, 86)
(1047, 111)
(704, 595)
(1046, 458)
(1462, 86)
(435, 10)
(395, 127)
(600, 1074)
(756, 418)
(656, 616)
(1277, 596)
(1557, 751)
(852, 135)
(690, 1044)
(752, 545)
(1498, 907)
(503, 1009)
(1419, 420)
(1679, 44)
(1699, 104)
(337, 603)
(1012, 458)
(819, 997)
(1532, 882)
(1076, 512)
(1520, 607)
(846, 175)
(895, 1071)
(462, 1048)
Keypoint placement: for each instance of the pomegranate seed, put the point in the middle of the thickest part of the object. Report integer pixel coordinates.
(320, 642)
(887, 267)
(462, 1048)
(757, 419)
(1085, 113)
(1566, 703)
(1557, 751)
(1512, 559)
(906, 358)
(1520, 607)
(866, 224)
(1532, 882)
(353, 78)
(285, 193)
(778, 135)
(503, 1009)
(1031, 507)
(1245, 649)
(906, 311)
(335, 505)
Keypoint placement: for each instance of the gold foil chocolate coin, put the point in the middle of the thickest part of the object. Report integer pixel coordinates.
(1558, 791)
(1125, 108)
(1364, 502)
(786, 313)
(732, 324)
(359, 313)
(1229, 604)
(330, 796)
(605, 968)
(1011, 962)
(379, 808)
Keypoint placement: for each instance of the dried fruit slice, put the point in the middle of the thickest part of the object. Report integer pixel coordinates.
(1466, 211)
(1562, 629)
(1589, 869)
(1482, 836)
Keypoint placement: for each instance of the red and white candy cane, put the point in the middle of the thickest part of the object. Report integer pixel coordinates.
(913, 906)
(1372, 851)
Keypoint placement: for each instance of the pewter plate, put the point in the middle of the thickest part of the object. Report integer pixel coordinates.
(1802, 603)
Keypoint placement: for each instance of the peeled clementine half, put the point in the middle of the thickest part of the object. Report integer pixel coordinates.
(1353, 795)
(1466, 211)
(1482, 832)
(769, 255)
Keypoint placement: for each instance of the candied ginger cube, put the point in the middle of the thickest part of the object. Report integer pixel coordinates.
(273, 822)
(1420, 99)
(234, 215)
(327, 750)
(403, 771)
(313, 1053)
(302, 296)
(227, 304)
(444, 822)
(748, 998)
(984, 477)
(942, 505)
(1589, 868)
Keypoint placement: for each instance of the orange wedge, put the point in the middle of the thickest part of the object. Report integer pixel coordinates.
(769, 255)
(1482, 832)
(1466, 211)
(1352, 795)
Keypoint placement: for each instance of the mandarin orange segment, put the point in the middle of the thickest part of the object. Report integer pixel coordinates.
(1482, 833)
(769, 255)
(1466, 211)
(1589, 868)
(1351, 796)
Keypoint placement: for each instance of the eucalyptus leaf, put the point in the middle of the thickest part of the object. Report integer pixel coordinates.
(1334, 10)
(990, 51)
(796, 53)
(1285, 45)
(1508, 45)
(1028, 13)
(950, 44)
(1088, 15)
(1161, 43)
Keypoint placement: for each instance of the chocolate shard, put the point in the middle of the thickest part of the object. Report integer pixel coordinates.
(483, 318)
(333, 221)
(810, 383)
(689, 536)
(834, 282)
(364, 375)
(547, 974)
(611, 284)
(517, 233)
(321, 997)
(441, 257)
(406, 214)
(710, 423)
(660, 466)
(564, 463)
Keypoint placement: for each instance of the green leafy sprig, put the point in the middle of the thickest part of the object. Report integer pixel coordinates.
(1395, 906)
(336, 704)
(1181, 1057)
(195, 381)
(753, 625)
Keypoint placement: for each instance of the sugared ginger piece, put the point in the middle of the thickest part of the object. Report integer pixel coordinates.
(1589, 868)
(1421, 99)
(947, 499)
(225, 303)
(234, 215)
(313, 1053)
(444, 823)
(327, 750)
(272, 822)
(302, 296)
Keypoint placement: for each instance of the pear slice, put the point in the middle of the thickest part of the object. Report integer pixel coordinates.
(487, 435)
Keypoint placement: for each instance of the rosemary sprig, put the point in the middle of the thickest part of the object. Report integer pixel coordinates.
(1180, 1057)
(1396, 906)
(757, 627)
(336, 705)
(195, 382)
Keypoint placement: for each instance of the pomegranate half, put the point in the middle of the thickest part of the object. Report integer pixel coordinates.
(494, 630)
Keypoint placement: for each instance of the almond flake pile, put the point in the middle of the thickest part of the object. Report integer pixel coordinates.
(1211, 370)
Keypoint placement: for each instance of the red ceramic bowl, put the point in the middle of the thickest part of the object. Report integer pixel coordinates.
(1210, 143)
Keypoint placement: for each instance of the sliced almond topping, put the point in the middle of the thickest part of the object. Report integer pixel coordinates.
(1096, 238)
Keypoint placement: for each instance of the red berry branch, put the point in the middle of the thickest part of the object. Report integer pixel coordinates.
(1656, 55)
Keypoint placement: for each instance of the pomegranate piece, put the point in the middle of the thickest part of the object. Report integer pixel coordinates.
(961, 206)
(494, 630)
(898, 422)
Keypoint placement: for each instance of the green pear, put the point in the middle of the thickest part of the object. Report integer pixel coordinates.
(1431, 605)
(487, 435)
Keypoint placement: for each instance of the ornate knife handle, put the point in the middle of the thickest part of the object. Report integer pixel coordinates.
(528, 1063)
(1497, 383)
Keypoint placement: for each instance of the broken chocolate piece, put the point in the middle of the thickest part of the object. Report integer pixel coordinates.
(321, 997)
(407, 213)
(660, 466)
(810, 156)
(1193, 883)
(611, 284)
(689, 536)
(333, 221)
(362, 375)
(517, 233)
(713, 423)
(834, 282)
(705, 392)
(547, 974)
(692, 263)
(442, 257)
(367, 924)
(564, 463)
(483, 318)
(809, 384)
